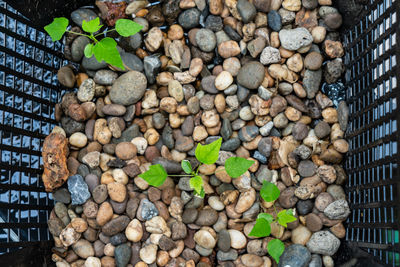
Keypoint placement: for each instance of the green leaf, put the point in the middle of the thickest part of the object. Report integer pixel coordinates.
(285, 217)
(107, 50)
(155, 176)
(269, 192)
(202, 193)
(91, 26)
(236, 166)
(57, 28)
(275, 248)
(208, 154)
(186, 166)
(196, 183)
(88, 50)
(266, 216)
(261, 228)
(126, 27)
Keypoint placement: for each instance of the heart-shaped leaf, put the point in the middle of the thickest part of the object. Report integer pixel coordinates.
(208, 154)
(269, 192)
(236, 166)
(155, 176)
(126, 27)
(57, 28)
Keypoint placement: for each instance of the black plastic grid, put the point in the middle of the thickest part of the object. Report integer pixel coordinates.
(28, 92)
(372, 54)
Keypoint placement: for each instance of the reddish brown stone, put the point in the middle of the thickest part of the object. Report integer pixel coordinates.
(111, 12)
(76, 112)
(307, 19)
(55, 151)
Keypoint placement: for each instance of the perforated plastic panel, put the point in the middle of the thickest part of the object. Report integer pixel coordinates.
(372, 54)
(28, 91)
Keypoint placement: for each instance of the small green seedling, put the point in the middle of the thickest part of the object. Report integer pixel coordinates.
(270, 192)
(104, 49)
(205, 154)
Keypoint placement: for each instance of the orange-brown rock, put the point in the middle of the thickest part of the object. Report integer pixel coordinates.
(55, 152)
(307, 19)
(111, 12)
(334, 49)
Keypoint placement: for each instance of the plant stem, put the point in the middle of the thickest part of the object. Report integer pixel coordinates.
(180, 175)
(276, 213)
(77, 33)
(104, 32)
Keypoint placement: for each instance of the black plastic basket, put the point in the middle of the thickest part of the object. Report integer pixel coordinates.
(29, 91)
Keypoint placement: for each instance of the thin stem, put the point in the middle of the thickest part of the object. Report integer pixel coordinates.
(276, 213)
(77, 33)
(180, 175)
(104, 32)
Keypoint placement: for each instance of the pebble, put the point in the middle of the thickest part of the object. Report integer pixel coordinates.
(251, 75)
(66, 77)
(270, 55)
(295, 39)
(295, 255)
(206, 40)
(238, 239)
(246, 10)
(78, 189)
(337, 210)
(83, 249)
(86, 90)
(274, 20)
(324, 243)
(128, 88)
(205, 239)
(189, 18)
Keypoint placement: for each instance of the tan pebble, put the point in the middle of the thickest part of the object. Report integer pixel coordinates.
(141, 264)
(163, 78)
(116, 191)
(78, 140)
(196, 66)
(134, 231)
(180, 245)
(220, 103)
(104, 214)
(79, 225)
(154, 39)
(199, 133)
(341, 145)
(162, 258)
(108, 261)
(141, 183)
(120, 176)
(125, 150)
(292, 5)
(232, 65)
(168, 104)
(330, 115)
(207, 169)
(175, 32)
(275, 42)
(292, 114)
(216, 7)
(175, 120)
(210, 118)
(299, 90)
(295, 63)
(223, 80)
(228, 49)
(334, 49)
(301, 235)
(325, 2)
(175, 90)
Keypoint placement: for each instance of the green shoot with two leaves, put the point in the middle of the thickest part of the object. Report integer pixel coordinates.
(270, 192)
(205, 154)
(104, 49)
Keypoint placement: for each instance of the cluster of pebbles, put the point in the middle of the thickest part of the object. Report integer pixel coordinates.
(249, 71)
